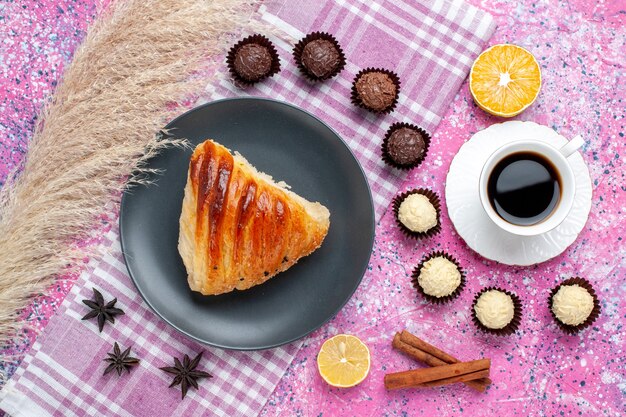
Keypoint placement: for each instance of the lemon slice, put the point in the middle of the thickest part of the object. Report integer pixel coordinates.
(343, 361)
(505, 80)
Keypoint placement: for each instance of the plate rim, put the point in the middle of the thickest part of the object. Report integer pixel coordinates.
(372, 224)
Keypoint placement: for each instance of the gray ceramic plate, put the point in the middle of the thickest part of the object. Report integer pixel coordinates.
(293, 146)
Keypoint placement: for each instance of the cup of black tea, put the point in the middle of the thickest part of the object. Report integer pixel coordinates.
(527, 187)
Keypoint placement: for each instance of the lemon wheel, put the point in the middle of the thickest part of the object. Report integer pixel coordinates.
(505, 80)
(343, 361)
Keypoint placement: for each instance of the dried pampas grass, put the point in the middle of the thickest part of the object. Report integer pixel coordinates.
(137, 60)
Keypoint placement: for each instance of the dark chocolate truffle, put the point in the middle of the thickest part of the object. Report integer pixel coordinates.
(253, 59)
(319, 56)
(252, 62)
(376, 90)
(406, 146)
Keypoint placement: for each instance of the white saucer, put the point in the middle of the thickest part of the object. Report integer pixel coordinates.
(471, 220)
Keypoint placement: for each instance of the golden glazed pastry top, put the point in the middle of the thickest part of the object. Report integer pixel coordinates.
(237, 227)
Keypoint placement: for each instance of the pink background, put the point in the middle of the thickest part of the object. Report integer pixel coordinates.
(580, 46)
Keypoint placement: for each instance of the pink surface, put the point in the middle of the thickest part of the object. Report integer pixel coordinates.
(37, 39)
(437, 58)
(539, 371)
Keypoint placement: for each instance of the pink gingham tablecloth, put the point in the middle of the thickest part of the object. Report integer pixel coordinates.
(429, 44)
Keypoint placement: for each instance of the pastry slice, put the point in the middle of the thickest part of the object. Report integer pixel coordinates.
(239, 228)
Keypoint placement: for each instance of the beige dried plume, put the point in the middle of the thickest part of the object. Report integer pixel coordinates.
(101, 124)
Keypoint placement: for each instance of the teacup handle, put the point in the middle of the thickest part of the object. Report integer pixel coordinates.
(572, 146)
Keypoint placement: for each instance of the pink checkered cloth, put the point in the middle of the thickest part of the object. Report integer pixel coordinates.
(430, 44)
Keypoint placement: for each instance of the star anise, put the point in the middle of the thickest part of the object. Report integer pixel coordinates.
(101, 310)
(186, 373)
(120, 361)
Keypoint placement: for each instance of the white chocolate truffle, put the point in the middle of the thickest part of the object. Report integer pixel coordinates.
(439, 277)
(494, 309)
(417, 213)
(572, 304)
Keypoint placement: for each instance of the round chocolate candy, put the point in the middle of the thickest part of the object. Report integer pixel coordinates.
(320, 57)
(376, 90)
(405, 145)
(252, 62)
(253, 59)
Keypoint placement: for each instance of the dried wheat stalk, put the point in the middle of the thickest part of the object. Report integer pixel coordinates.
(101, 124)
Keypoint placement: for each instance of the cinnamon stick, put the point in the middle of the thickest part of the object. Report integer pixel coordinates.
(415, 341)
(430, 360)
(416, 377)
(467, 378)
(416, 352)
(418, 343)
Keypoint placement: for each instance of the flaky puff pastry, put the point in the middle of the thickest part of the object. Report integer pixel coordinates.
(238, 228)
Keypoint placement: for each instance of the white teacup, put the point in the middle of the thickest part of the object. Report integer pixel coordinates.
(558, 158)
